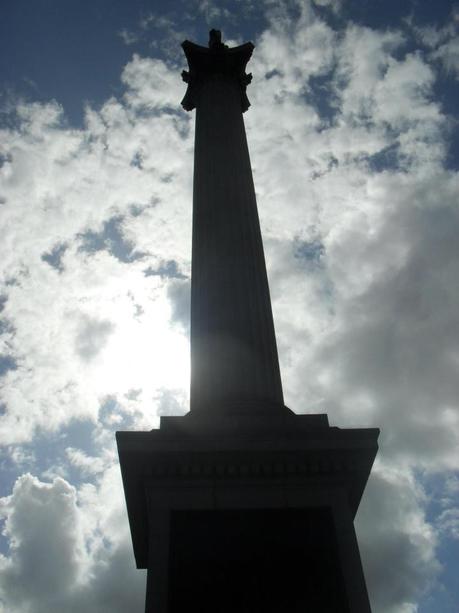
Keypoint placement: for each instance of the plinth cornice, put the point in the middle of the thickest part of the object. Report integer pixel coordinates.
(305, 455)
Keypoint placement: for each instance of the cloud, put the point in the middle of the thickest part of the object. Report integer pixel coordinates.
(171, 402)
(128, 37)
(442, 41)
(396, 542)
(83, 209)
(448, 54)
(46, 543)
(374, 310)
(92, 337)
(390, 343)
(151, 84)
(64, 554)
(335, 5)
(449, 523)
(213, 12)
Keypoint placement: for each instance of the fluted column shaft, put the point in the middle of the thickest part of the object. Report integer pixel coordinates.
(233, 347)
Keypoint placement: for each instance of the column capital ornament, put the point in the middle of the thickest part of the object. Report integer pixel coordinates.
(216, 59)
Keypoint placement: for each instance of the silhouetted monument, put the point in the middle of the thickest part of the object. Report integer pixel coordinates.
(240, 505)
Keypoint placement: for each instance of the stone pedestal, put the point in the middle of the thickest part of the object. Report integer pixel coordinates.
(248, 514)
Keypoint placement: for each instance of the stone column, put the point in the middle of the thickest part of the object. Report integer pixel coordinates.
(234, 362)
(241, 504)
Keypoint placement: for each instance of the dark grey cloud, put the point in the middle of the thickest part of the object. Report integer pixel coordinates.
(396, 542)
(116, 586)
(92, 336)
(398, 339)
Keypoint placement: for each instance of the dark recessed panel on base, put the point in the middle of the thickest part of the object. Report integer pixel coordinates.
(255, 561)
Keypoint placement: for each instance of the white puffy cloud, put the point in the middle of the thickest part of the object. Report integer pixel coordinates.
(68, 551)
(151, 84)
(46, 544)
(356, 246)
(86, 213)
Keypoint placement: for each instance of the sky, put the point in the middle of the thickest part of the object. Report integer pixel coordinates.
(354, 140)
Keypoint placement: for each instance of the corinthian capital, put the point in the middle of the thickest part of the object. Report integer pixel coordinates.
(215, 60)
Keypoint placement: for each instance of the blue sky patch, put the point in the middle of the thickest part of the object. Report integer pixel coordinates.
(310, 251)
(110, 239)
(168, 269)
(54, 257)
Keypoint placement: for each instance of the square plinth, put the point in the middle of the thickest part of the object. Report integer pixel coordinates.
(208, 506)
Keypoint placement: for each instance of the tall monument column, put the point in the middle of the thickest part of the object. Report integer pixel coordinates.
(233, 346)
(241, 505)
